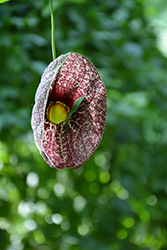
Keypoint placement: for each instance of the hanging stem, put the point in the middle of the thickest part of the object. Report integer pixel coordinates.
(52, 32)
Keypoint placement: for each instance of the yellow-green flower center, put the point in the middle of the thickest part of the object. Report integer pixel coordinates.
(57, 112)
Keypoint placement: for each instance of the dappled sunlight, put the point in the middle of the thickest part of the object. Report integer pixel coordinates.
(32, 180)
(57, 219)
(30, 225)
(59, 189)
(117, 199)
(79, 203)
(83, 229)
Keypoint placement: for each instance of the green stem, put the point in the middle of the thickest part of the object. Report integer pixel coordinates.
(52, 32)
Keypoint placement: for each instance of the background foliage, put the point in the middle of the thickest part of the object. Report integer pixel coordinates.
(118, 199)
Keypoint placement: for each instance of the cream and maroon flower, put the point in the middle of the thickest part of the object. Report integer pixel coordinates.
(64, 81)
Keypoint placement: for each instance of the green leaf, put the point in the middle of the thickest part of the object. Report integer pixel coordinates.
(2, 1)
(74, 108)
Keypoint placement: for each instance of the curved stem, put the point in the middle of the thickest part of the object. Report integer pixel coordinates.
(52, 32)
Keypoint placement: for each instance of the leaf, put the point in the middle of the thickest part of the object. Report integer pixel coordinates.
(74, 108)
(3, 1)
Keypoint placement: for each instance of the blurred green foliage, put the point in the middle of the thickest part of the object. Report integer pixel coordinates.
(2, 1)
(118, 199)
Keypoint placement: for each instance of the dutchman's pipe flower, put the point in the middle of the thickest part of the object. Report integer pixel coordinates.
(67, 79)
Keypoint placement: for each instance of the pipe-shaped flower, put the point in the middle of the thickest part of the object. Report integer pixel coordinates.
(64, 81)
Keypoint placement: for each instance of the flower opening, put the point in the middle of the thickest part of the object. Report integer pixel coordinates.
(57, 112)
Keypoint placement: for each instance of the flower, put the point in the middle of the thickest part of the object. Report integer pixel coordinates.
(64, 81)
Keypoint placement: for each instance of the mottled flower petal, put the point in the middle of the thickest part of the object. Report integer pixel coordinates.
(65, 80)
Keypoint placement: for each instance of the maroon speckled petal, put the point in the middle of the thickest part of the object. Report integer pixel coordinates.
(66, 79)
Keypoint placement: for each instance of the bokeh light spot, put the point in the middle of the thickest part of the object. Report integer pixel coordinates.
(79, 203)
(25, 208)
(39, 237)
(100, 160)
(122, 234)
(4, 223)
(102, 199)
(57, 218)
(123, 194)
(115, 186)
(87, 221)
(90, 176)
(128, 222)
(32, 179)
(152, 200)
(59, 189)
(30, 225)
(144, 215)
(104, 177)
(48, 218)
(65, 225)
(138, 239)
(83, 229)
(43, 193)
(71, 240)
(41, 208)
(13, 160)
